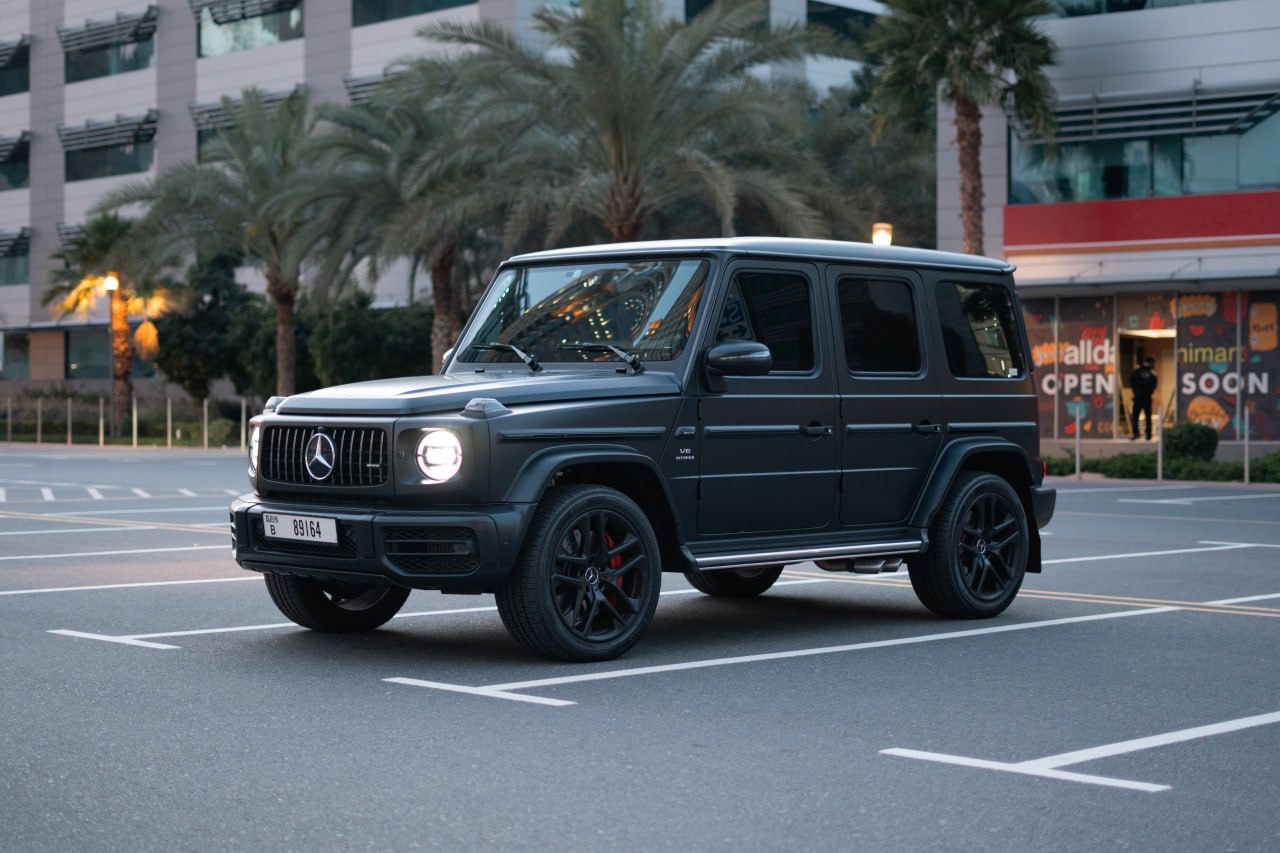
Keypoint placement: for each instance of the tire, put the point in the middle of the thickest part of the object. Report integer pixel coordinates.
(978, 552)
(334, 607)
(586, 583)
(734, 583)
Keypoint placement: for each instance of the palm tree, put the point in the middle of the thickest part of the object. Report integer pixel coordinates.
(105, 259)
(227, 203)
(386, 191)
(972, 53)
(623, 113)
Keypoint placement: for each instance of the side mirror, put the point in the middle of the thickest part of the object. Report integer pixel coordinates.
(737, 358)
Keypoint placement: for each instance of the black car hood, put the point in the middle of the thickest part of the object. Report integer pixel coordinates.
(418, 395)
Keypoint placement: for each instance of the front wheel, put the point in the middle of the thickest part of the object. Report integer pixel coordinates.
(334, 607)
(586, 583)
(734, 583)
(978, 551)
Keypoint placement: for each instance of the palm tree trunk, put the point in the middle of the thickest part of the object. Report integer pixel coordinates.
(969, 141)
(121, 362)
(446, 324)
(283, 296)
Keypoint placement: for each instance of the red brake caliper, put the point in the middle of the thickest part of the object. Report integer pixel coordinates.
(615, 562)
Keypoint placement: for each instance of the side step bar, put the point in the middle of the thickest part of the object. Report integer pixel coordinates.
(751, 559)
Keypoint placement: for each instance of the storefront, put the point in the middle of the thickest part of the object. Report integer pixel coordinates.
(1216, 356)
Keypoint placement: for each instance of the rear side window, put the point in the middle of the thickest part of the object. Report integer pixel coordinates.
(979, 330)
(878, 321)
(772, 308)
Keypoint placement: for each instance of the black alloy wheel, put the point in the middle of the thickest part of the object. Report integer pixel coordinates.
(587, 581)
(334, 607)
(978, 553)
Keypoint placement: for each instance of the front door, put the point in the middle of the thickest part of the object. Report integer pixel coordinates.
(891, 408)
(768, 443)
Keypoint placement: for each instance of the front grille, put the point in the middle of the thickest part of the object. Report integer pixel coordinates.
(431, 550)
(346, 548)
(360, 455)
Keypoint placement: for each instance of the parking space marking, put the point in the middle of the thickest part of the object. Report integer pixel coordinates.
(127, 639)
(1250, 544)
(142, 511)
(87, 518)
(1230, 547)
(140, 492)
(47, 493)
(95, 494)
(502, 691)
(114, 553)
(1194, 501)
(1048, 767)
(65, 530)
(102, 586)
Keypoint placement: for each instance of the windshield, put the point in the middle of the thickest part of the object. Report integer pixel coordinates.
(645, 307)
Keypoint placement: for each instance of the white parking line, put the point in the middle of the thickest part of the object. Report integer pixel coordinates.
(506, 691)
(152, 510)
(47, 494)
(187, 492)
(141, 493)
(59, 531)
(97, 587)
(1108, 490)
(95, 494)
(1193, 501)
(1047, 767)
(1250, 544)
(114, 553)
(1228, 546)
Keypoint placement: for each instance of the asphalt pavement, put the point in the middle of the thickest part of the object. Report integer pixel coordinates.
(154, 698)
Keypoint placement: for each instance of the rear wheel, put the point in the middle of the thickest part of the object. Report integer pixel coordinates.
(734, 583)
(334, 607)
(586, 583)
(978, 552)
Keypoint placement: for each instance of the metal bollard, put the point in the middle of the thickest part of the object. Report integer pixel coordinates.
(243, 414)
(205, 416)
(168, 423)
(135, 421)
(1160, 443)
(1079, 476)
(39, 420)
(1246, 445)
(68, 422)
(102, 424)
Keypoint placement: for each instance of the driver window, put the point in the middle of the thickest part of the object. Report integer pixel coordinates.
(772, 308)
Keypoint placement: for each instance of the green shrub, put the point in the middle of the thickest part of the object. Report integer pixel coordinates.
(1266, 469)
(1183, 468)
(1060, 466)
(1126, 466)
(220, 430)
(1187, 440)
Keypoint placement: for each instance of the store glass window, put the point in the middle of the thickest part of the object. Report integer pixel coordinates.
(219, 39)
(15, 173)
(15, 355)
(88, 354)
(15, 77)
(15, 268)
(109, 59)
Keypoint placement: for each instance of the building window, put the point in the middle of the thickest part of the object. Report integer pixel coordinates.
(14, 269)
(88, 354)
(374, 11)
(15, 355)
(851, 24)
(15, 66)
(1154, 151)
(15, 163)
(228, 27)
(88, 163)
(1079, 8)
(106, 60)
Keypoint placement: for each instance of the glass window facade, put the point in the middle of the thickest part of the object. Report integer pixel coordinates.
(374, 11)
(14, 269)
(111, 59)
(109, 160)
(16, 76)
(850, 23)
(15, 173)
(247, 33)
(88, 354)
(1077, 8)
(1176, 164)
(16, 356)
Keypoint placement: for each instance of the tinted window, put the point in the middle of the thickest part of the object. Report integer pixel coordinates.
(878, 320)
(772, 308)
(979, 331)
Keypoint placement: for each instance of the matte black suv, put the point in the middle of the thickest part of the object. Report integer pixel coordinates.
(719, 408)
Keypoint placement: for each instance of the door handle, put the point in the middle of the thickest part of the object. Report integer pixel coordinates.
(926, 428)
(816, 429)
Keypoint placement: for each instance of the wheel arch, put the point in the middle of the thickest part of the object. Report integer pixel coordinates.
(634, 474)
(1006, 460)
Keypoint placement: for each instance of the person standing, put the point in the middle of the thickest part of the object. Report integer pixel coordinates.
(1143, 382)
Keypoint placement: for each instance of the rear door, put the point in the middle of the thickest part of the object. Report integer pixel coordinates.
(768, 445)
(891, 417)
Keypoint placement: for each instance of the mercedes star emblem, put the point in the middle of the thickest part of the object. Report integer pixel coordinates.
(319, 456)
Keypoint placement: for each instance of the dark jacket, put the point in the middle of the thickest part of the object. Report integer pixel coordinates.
(1143, 381)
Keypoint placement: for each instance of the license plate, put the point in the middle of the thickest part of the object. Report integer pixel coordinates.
(300, 528)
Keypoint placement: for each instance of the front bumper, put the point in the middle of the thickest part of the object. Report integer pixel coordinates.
(459, 550)
(1043, 501)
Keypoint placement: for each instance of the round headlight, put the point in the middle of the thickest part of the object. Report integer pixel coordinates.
(439, 455)
(255, 439)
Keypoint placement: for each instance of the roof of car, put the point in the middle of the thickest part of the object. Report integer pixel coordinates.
(788, 247)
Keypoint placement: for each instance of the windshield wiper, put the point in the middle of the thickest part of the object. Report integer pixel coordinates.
(631, 359)
(529, 360)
